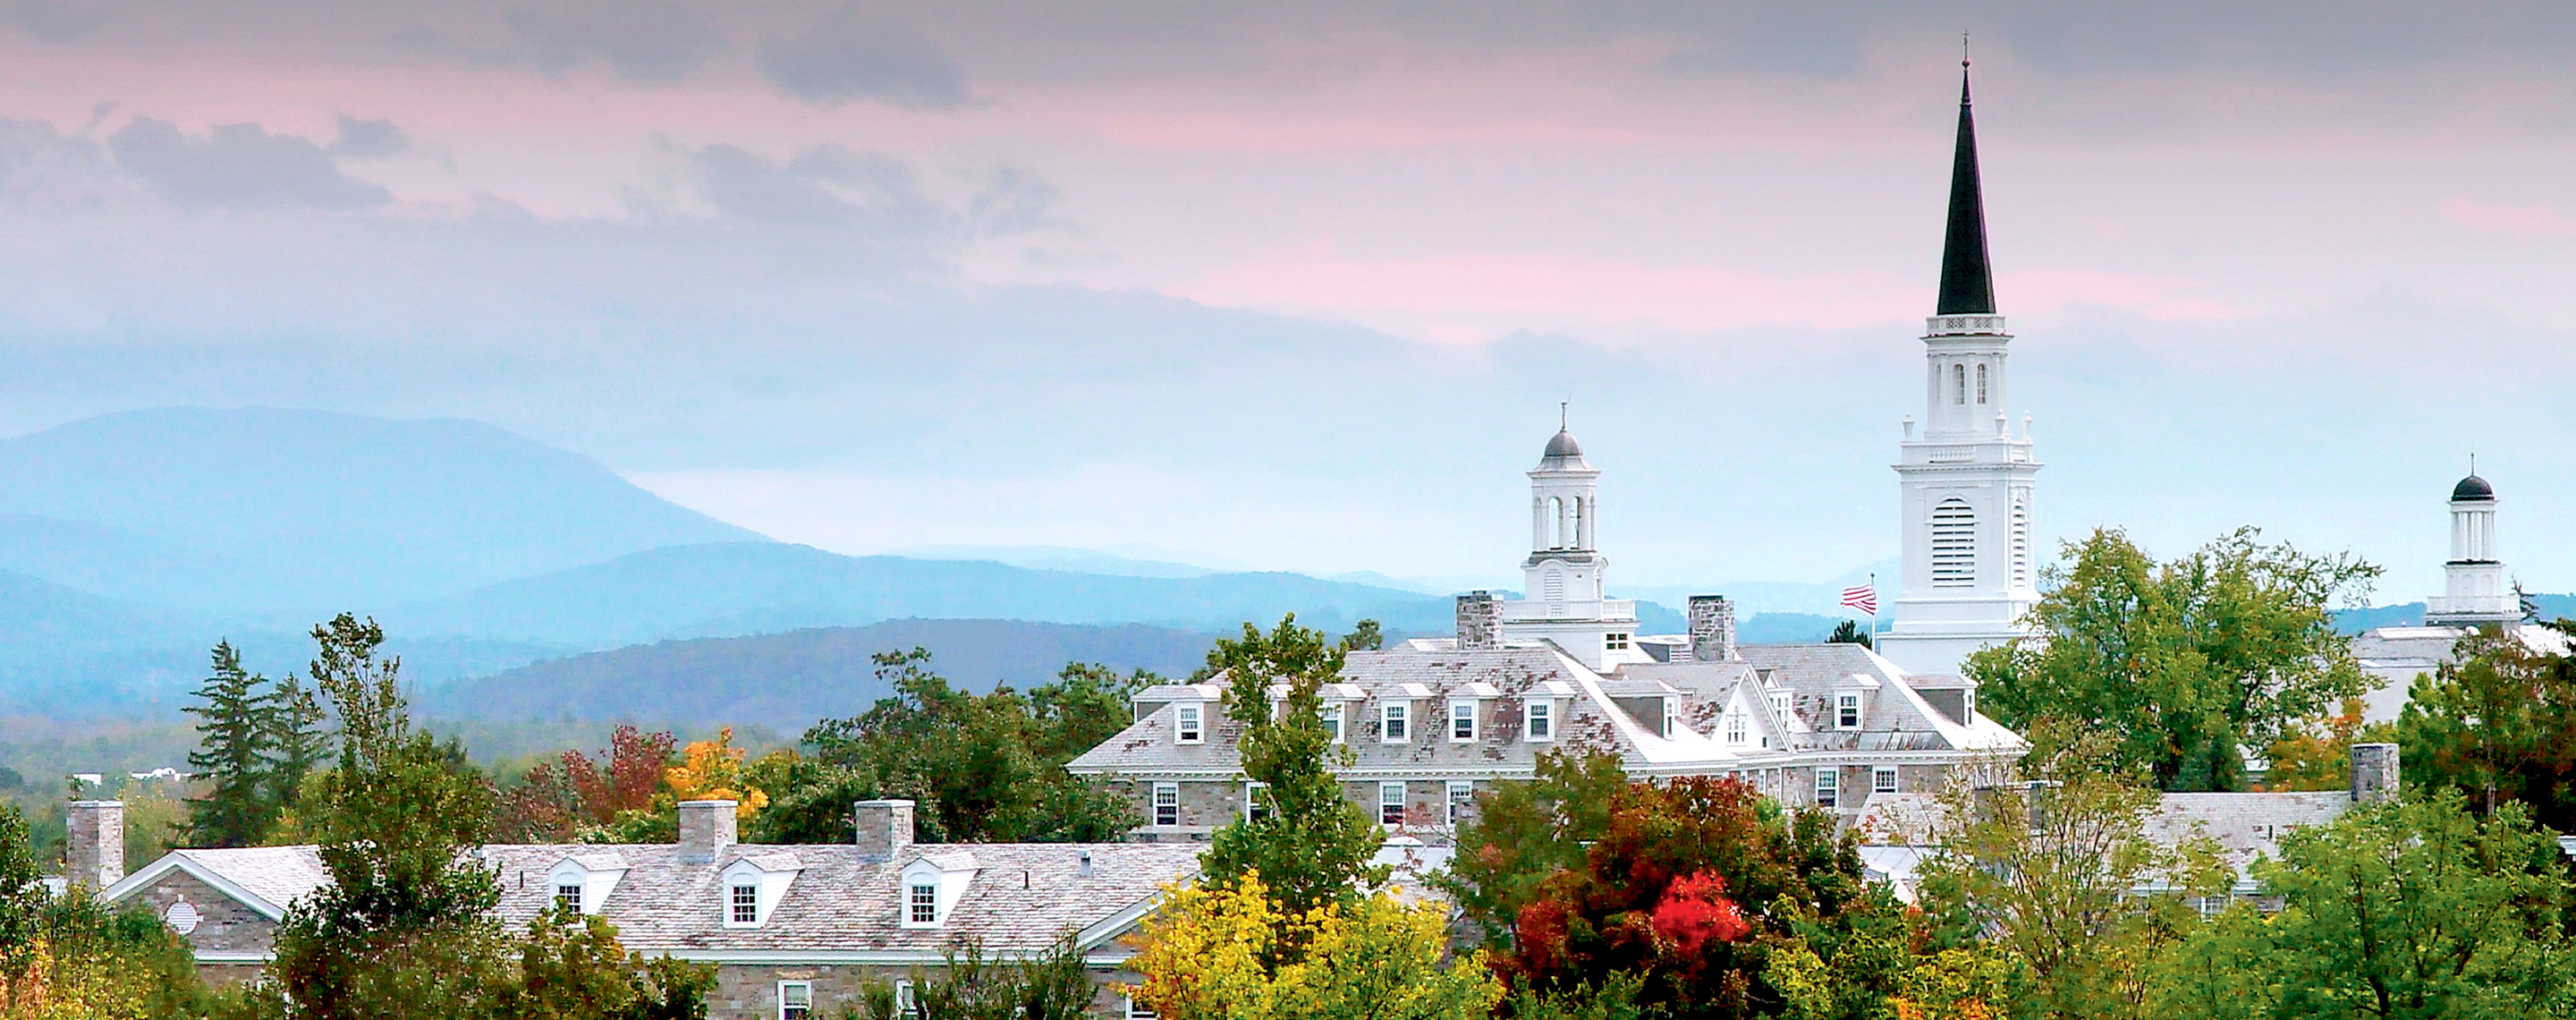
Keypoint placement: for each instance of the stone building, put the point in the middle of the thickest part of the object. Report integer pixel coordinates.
(794, 931)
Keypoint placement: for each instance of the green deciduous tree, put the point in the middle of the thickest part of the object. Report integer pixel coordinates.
(2409, 910)
(1524, 833)
(2497, 723)
(2050, 871)
(2187, 662)
(1313, 846)
(232, 757)
(22, 898)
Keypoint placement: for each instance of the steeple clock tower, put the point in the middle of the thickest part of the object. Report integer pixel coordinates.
(1965, 480)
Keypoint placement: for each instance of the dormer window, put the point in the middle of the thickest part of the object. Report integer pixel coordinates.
(568, 898)
(1672, 716)
(1847, 710)
(1780, 703)
(1462, 720)
(1333, 719)
(583, 882)
(932, 886)
(1188, 727)
(753, 886)
(1538, 719)
(922, 903)
(1968, 705)
(1395, 722)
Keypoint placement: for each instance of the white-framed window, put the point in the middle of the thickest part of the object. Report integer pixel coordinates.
(1968, 699)
(1981, 382)
(1780, 703)
(1672, 716)
(1395, 722)
(1462, 801)
(906, 1003)
(1333, 713)
(1847, 710)
(1538, 719)
(1167, 803)
(1462, 720)
(1959, 384)
(1390, 803)
(1828, 787)
(1615, 642)
(744, 898)
(1735, 728)
(1256, 800)
(1139, 1011)
(1882, 780)
(1187, 728)
(568, 897)
(795, 1000)
(921, 903)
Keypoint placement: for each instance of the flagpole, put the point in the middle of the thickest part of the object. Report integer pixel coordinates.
(1873, 610)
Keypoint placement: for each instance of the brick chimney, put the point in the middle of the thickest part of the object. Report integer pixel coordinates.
(94, 852)
(706, 828)
(2374, 772)
(885, 829)
(1712, 629)
(1480, 620)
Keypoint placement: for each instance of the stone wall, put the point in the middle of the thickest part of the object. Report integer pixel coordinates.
(750, 991)
(224, 924)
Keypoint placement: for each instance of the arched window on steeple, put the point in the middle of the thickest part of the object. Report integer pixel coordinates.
(1954, 544)
(1555, 522)
(1959, 385)
(1981, 382)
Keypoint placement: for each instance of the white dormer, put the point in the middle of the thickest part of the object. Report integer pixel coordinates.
(583, 881)
(931, 886)
(1189, 722)
(1543, 710)
(1850, 706)
(751, 887)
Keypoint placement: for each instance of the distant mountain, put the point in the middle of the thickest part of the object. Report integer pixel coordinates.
(787, 681)
(742, 588)
(288, 513)
(1056, 557)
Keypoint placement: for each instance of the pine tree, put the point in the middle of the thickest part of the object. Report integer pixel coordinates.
(291, 725)
(233, 753)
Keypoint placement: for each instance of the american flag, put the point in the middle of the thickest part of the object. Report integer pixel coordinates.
(1861, 597)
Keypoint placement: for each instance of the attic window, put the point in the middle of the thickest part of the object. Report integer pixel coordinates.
(1333, 719)
(923, 901)
(1187, 729)
(1397, 717)
(1735, 728)
(1538, 719)
(568, 897)
(1847, 711)
(746, 903)
(181, 917)
(1462, 721)
(1615, 642)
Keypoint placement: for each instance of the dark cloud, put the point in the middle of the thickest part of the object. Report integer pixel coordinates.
(52, 20)
(641, 40)
(826, 186)
(851, 55)
(370, 139)
(238, 166)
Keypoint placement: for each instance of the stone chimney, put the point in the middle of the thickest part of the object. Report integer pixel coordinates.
(1712, 629)
(2374, 772)
(1480, 620)
(706, 828)
(885, 829)
(94, 852)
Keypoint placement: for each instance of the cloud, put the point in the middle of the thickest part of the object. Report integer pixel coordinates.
(52, 20)
(641, 40)
(850, 55)
(370, 139)
(238, 166)
(825, 186)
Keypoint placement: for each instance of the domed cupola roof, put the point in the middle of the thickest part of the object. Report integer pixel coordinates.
(2472, 488)
(1563, 445)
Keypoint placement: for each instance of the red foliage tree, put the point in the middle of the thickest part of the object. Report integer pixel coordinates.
(555, 799)
(1682, 889)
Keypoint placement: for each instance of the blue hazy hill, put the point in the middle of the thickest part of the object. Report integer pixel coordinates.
(296, 512)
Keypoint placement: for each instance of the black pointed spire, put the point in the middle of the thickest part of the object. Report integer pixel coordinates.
(1967, 282)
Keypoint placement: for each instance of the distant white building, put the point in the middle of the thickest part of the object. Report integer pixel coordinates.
(1565, 575)
(1965, 482)
(2476, 594)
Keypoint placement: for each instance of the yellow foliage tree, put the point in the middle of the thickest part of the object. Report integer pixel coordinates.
(1216, 954)
(712, 770)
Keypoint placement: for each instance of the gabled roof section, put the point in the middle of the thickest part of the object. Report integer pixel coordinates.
(1967, 281)
(267, 879)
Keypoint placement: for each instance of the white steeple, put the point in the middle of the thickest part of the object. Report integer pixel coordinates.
(2474, 592)
(1965, 483)
(1562, 584)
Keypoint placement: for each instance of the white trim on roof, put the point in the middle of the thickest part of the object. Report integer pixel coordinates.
(179, 860)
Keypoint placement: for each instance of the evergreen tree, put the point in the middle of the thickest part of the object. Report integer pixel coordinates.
(291, 725)
(1848, 632)
(1313, 846)
(233, 754)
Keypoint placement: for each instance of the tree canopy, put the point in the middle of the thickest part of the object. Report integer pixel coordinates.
(2498, 723)
(2185, 663)
(1312, 846)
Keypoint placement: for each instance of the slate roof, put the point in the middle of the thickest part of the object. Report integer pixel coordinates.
(1022, 898)
(2247, 826)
